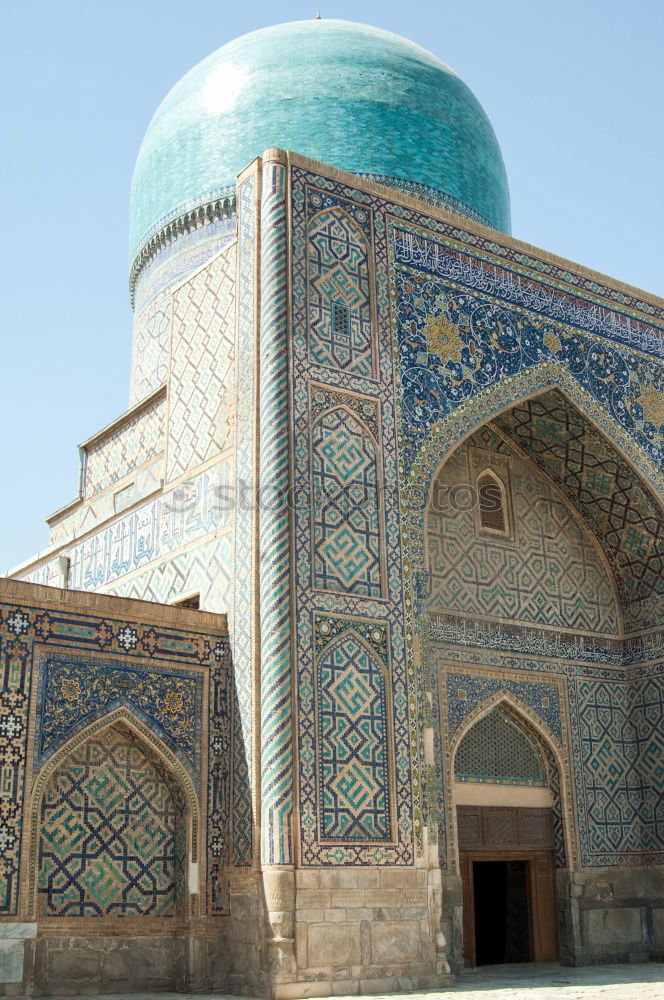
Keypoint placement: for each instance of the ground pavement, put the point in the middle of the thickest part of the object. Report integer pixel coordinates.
(520, 982)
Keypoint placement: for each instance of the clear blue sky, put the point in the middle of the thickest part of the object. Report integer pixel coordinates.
(574, 91)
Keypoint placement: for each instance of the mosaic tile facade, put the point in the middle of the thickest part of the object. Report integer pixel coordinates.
(366, 407)
(108, 835)
(376, 354)
(474, 327)
(339, 294)
(136, 442)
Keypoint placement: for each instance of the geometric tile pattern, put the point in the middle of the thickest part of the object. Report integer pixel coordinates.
(620, 732)
(346, 516)
(549, 575)
(108, 834)
(612, 499)
(204, 569)
(316, 390)
(134, 444)
(15, 686)
(150, 344)
(201, 389)
(353, 750)
(244, 631)
(339, 293)
(223, 830)
(647, 712)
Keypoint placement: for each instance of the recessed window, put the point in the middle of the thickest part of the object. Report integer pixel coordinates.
(193, 602)
(492, 503)
(340, 318)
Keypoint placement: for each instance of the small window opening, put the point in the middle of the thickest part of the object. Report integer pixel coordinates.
(493, 512)
(193, 602)
(340, 318)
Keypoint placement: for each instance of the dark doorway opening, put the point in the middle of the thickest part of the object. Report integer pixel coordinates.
(502, 932)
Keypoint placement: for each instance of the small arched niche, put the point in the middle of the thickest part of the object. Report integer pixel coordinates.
(113, 828)
(493, 506)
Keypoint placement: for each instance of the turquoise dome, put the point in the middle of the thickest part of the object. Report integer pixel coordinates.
(353, 96)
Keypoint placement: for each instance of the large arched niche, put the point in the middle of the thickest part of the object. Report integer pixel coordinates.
(628, 536)
(113, 828)
(538, 564)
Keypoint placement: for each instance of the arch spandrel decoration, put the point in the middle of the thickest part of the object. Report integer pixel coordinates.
(347, 515)
(339, 293)
(161, 759)
(75, 691)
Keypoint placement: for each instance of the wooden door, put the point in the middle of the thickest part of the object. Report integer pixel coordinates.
(468, 908)
(542, 904)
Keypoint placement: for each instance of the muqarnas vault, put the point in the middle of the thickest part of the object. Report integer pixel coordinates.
(414, 469)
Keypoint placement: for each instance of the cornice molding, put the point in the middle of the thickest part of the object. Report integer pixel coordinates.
(194, 215)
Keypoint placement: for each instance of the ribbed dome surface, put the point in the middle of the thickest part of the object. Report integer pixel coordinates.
(353, 96)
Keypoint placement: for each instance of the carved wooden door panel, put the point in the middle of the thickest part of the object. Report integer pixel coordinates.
(542, 889)
(468, 890)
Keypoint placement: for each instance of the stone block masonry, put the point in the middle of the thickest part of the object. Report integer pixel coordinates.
(364, 930)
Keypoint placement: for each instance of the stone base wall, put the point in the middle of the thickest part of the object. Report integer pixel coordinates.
(222, 956)
(66, 966)
(354, 930)
(188, 963)
(452, 920)
(366, 930)
(613, 915)
(246, 973)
